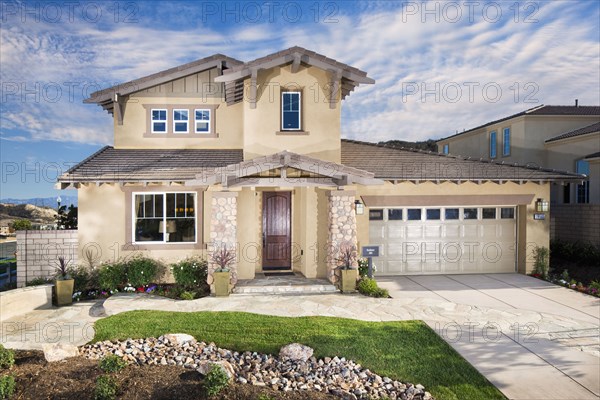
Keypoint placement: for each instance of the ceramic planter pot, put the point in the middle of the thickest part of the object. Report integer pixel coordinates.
(349, 278)
(221, 283)
(64, 291)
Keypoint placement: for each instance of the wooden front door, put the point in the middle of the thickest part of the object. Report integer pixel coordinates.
(277, 230)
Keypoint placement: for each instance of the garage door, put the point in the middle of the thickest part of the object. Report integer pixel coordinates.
(451, 240)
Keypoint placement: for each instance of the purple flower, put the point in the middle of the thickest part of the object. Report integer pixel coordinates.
(151, 289)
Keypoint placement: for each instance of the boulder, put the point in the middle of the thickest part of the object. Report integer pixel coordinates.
(179, 338)
(59, 351)
(296, 352)
(205, 366)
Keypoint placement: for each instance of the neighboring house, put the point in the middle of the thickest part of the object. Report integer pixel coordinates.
(564, 138)
(250, 156)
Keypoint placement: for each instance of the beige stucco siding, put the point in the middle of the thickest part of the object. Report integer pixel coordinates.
(320, 136)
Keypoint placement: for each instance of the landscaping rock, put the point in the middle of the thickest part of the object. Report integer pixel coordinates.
(295, 368)
(59, 351)
(179, 338)
(296, 352)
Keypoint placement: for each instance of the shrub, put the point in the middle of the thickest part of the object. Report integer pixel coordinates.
(191, 272)
(7, 386)
(541, 265)
(111, 276)
(142, 271)
(595, 285)
(84, 278)
(106, 388)
(21, 225)
(187, 295)
(7, 357)
(363, 267)
(368, 287)
(216, 380)
(39, 281)
(112, 363)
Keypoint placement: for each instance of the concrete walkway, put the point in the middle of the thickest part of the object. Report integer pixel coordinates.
(526, 336)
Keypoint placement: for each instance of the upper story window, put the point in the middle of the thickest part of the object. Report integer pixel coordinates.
(180, 121)
(506, 142)
(290, 111)
(493, 149)
(202, 119)
(159, 121)
(446, 149)
(583, 190)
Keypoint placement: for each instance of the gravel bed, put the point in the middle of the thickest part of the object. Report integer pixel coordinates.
(337, 376)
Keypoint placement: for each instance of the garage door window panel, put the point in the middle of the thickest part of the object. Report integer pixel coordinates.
(507, 213)
(376, 215)
(469, 213)
(433, 214)
(413, 214)
(488, 213)
(451, 214)
(395, 214)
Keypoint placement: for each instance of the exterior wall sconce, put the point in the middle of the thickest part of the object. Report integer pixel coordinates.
(359, 207)
(542, 205)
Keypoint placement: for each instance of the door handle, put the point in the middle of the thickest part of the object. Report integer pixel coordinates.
(264, 239)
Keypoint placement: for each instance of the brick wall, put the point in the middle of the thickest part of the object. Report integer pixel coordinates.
(575, 222)
(38, 252)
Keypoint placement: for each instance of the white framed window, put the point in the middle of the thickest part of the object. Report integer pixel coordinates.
(291, 111)
(164, 217)
(583, 189)
(506, 142)
(202, 120)
(159, 120)
(446, 149)
(181, 120)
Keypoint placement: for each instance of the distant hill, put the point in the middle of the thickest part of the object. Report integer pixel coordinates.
(43, 201)
(35, 214)
(428, 145)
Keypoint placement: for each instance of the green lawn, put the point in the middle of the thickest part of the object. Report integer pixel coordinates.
(404, 350)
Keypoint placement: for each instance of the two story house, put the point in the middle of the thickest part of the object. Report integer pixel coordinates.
(565, 138)
(250, 156)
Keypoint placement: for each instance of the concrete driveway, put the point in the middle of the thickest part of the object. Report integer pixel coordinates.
(529, 360)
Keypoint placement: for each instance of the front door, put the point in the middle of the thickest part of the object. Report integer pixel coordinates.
(277, 231)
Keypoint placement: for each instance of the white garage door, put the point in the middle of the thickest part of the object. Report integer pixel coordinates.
(441, 240)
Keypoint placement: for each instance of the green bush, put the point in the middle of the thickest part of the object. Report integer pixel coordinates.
(84, 278)
(142, 271)
(577, 252)
(541, 265)
(112, 275)
(187, 295)
(368, 287)
(216, 380)
(39, 281)
(21, 225)
(7, 386)
(7, 358)
(106, 388)
(112, 363)
(191, 272)
(363, 267)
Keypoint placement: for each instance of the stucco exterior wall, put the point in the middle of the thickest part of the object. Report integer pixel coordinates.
(531, 232)
(320, 136)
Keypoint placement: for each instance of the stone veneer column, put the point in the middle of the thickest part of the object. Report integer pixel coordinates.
(342, 230)
(223, 231)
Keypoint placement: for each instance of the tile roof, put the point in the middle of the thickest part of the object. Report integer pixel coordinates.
(138, 165)
(593, 155)
(394, 163)
(577, 132)
(540, 110)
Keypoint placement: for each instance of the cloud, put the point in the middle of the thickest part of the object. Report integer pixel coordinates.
(419, 66)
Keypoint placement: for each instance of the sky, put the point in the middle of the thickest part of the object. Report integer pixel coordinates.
(439, 66)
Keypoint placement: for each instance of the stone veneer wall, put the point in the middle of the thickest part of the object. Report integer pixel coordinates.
(38, 252)
(223, 231)
(342, 230)
(575, 222)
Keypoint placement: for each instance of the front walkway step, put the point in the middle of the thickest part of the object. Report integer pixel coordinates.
(285, 289)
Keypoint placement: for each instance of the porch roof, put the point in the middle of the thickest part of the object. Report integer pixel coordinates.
(312, 172)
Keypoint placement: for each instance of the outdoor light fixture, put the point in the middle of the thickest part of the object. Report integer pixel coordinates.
(360, 207)
(541, 205)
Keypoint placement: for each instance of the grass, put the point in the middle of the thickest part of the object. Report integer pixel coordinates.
(405, 350)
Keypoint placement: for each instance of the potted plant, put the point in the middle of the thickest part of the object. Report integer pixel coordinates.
(63, 283)
(349, 274)
(222, 258)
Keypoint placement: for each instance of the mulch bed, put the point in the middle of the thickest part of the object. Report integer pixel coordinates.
(75, 378)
